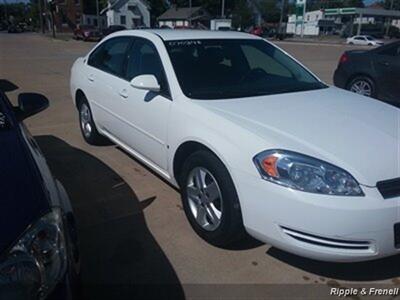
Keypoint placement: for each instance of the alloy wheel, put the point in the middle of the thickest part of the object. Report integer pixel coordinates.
(204, 198)
(86, 120)
(361, 87)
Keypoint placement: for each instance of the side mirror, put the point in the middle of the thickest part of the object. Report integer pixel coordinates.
(146, 82)
(7, 86)
(30, 104)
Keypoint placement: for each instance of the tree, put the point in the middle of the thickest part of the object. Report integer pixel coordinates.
(211, 6)
(387, 4)
(270, 10)
(242, 15)
(322, 4)
(18, 11)
(157, 8)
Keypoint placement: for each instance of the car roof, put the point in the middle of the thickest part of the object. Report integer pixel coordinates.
(191, 34)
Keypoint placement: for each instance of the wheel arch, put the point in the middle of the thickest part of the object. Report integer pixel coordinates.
(79, 97)
(360, 74)
(184, 150)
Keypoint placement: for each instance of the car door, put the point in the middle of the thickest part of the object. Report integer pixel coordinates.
(104, 75)
(387, 66)
(359, 40)
(144, 113)
(362, 40)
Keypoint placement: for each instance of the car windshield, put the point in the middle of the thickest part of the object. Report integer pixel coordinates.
(236, 68)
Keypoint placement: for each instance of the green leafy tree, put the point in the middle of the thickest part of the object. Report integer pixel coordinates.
(157, 8)
(17, 12)
(270, 10)
(321, 4)
(211, 6)
(242, 16)
(387, 4)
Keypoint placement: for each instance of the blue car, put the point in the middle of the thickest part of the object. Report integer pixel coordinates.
(39, 257)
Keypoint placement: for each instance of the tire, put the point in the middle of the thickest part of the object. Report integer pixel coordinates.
(88, 127)
(362, 85)
(229, 228)
(351, 43)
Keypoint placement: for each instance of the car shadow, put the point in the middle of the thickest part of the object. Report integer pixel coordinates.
(386, 268)
(246, 243)
(120, 259)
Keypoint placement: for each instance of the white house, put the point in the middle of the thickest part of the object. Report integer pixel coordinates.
(93, 20)
(312, 21)
(181, 17)
(396, 23)
(129, 13)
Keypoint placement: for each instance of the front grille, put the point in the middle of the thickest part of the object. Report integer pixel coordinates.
(389, 188)
(327, 242)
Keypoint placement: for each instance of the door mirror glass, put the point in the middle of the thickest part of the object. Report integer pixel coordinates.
(30, 104)
(146, 82)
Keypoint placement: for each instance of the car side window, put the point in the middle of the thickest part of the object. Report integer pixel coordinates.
(143, 58)
(109, 57)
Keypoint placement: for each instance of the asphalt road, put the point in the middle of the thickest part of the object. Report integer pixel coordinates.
(134, 236)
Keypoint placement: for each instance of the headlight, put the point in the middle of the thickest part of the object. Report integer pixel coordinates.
(36, 262)
(305, 173)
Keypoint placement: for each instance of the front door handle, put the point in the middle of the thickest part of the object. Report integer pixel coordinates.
(384, 63)
(123, 93)
(91, 77)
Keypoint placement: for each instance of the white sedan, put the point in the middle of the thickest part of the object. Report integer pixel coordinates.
(365, 40)
(253, 139)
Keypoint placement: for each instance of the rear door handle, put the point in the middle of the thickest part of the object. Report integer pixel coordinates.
(384, 63)
(123, 93)
(91, 77)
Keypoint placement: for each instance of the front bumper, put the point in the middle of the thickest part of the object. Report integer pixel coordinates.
(322, 227)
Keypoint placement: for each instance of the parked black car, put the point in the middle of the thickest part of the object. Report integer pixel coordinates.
(112, 28)
(39, 257)
(394, 32)
(15, 28)
(374, 73)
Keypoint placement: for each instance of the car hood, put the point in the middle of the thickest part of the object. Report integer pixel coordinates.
(356, 133)
(22, 200)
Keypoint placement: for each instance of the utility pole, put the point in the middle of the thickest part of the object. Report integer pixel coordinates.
(389, 20)
(223, 9)
(302, 19)
(5, 11)
(41, 16)
(97, 14)
(190, 13)
(52, 19)
(46, 15)
(281, 17)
